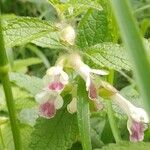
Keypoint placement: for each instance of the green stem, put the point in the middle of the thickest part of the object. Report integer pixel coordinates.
(110, 112)
(134, 44)
(83, 116)
(4, 70)
(142, 8)
(35, 50)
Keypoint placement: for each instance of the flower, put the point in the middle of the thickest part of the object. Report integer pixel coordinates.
(55, 79)
(68, 34)
(72, 106)
(49, 98)
(86, 73)
(48, 103)
(137, 118)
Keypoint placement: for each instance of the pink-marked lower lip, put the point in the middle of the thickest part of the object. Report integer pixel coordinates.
(56, 86)
(92, 91)
(137, 131)
(47, 110)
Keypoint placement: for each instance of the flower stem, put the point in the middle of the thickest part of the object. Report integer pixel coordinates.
(4, 70)
(133, 42)
(110, 112)
(83, 116)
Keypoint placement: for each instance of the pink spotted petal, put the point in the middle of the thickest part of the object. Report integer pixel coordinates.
(56, 86)
(47, 110)
(92, 91)
(137, 131)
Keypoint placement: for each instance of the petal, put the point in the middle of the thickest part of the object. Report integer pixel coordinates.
(72, 106)
(42, 96)
(47, 109)
(56, 86)
(64, 77)
(92, 91)
(136, 130)
(58, 102)
(88, 82)
(47, 79)
(139, 115)
(99, 72)
(55, 70)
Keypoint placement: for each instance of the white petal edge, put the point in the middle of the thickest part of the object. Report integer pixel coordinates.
(99, 72)
(42, 96)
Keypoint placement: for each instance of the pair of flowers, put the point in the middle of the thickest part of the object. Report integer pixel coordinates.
(49, 98)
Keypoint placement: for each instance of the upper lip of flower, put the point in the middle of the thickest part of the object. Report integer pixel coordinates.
(55, 79)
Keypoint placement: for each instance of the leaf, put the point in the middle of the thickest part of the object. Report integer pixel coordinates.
(108, 55)
(22, 64)
(50, 40)
(127, 146)
(21, 30)
(57, 133)
(98, 121)
(31, 84)
(22, 99)
(72, 8)
(28, 116)
(97, 27)
(25, 132)
(83, 117)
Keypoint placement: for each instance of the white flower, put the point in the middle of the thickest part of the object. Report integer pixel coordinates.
(68, 34)
(137, 117)
(72, 106)
(48, 103)
(86, 73)
(55, 79)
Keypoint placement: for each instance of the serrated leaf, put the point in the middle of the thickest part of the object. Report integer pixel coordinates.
(50, 40)
(21, 64)
(75, 7)
(21, 30)
(97, 27)
(108, 55)
(127, 146)
(31, 84)
(57, 133)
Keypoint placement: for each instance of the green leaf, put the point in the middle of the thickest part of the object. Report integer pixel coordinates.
(8, 139)
(72, 8)
(98, 121)
(50, 40)
(21, 30)
(97, 27)
(83, 115)
(127, 146)
(22, 64)
(108, 55)
(57, 133)
(31, 84)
